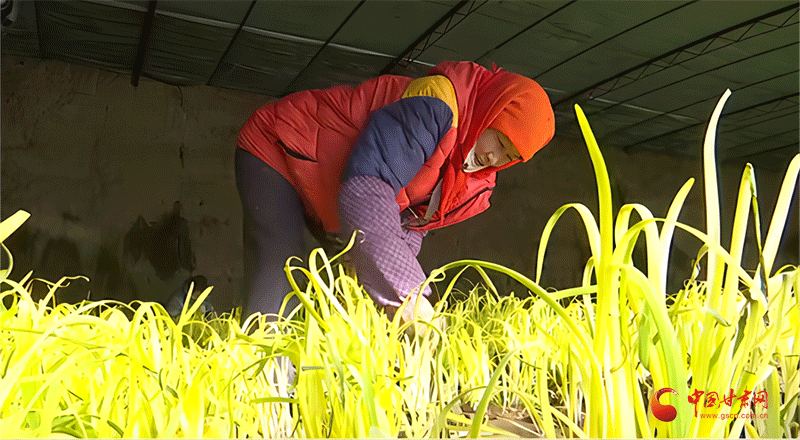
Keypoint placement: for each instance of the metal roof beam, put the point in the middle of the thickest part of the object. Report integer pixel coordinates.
(777, 109)
(230, 44)
(144, 39)
(536, 23)
(675, 52)
(442, 26)
(715, 97)
(694, 76)
(295, 82)
(792, 145)
(752, 148)
(614, 37)
(629, 148)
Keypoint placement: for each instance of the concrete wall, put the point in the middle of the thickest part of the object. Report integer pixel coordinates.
(111, 172)
(88, 154)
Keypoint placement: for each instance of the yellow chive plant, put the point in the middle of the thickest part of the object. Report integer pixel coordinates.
(111, 370)
(731, 333)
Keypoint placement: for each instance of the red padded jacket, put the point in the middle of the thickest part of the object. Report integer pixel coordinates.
(308, 137)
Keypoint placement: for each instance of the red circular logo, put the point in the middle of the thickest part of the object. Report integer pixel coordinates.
(665, 413)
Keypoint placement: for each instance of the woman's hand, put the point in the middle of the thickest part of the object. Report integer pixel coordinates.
(417, 306)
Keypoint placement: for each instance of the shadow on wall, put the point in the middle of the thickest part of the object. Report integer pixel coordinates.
(164, 243)
(155, 262)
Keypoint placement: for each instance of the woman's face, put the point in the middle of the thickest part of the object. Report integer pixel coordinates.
(494, 149)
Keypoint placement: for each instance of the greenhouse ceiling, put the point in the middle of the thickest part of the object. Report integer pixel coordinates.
(647, 73)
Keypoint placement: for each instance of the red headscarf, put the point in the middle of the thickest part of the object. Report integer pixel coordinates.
(513, 104)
